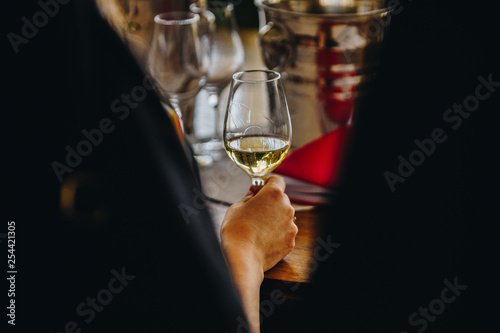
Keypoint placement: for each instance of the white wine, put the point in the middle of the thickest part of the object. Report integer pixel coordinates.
(257, 155)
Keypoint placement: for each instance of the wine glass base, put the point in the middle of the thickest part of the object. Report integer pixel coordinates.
(201, 154)
(216, 149)
(204, 160)
(212, 148)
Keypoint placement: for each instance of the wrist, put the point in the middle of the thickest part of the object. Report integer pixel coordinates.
(244, 259)
(247, 272)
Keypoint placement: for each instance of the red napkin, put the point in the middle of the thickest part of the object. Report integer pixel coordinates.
(319, 161)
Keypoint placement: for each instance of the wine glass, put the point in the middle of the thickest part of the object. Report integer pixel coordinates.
(226, 58)
(178, 62)
(257, 126)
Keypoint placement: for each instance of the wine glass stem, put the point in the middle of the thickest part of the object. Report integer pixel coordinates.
(184, 110)
(178, 110)
(257, 181)
(213, 102)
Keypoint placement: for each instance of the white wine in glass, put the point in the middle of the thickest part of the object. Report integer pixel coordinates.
(257, 127)
(257, 155)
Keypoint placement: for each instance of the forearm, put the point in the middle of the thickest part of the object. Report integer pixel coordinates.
(256, 233)
(247, 274)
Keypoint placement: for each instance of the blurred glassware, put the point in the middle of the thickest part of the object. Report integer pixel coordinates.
(178, 62)
(133, 21)
(226, 58)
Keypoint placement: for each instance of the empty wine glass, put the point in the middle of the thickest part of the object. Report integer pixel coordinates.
(257, 126)
(226, 58)
(178, 62)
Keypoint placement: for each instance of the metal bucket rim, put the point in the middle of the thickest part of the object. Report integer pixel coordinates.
(260, 4)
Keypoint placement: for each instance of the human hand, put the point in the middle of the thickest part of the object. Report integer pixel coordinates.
(260, 226)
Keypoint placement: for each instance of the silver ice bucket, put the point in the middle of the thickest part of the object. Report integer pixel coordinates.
(327, 52)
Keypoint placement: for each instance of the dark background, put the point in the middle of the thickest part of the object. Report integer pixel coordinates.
(397, 248)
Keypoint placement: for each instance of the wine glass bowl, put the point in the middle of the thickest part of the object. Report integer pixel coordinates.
(257, 126)
(177, 60)
(226, 58)
(226, 52)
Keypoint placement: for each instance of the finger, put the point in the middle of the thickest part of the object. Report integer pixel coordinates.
(248, 196)
(276, 181)
(255, 188)
(287, 200)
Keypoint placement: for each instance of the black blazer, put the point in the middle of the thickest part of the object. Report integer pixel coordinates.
(111, 232)
(401, 252)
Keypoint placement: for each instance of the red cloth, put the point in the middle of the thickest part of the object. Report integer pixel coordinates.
(319, 161)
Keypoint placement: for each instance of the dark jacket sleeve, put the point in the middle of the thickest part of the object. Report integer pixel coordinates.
(113, 232)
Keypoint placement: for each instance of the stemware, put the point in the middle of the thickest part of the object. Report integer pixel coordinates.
(178, 62)
(257, 126)
(226, 58)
